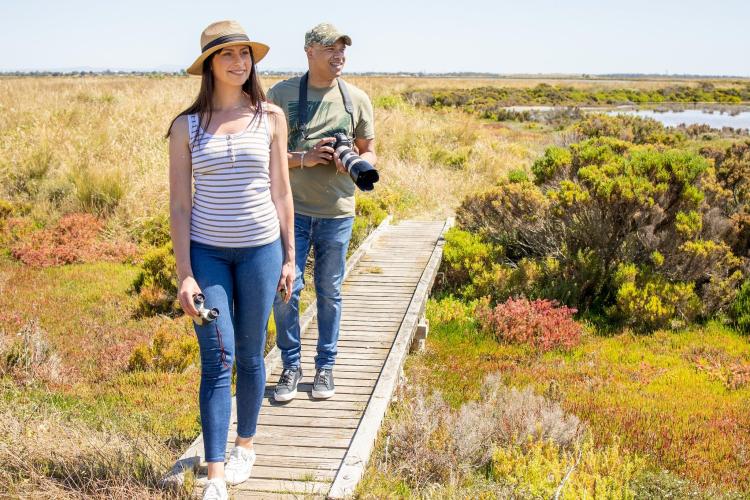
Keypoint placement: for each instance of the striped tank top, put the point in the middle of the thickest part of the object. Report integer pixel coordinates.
(232, 204)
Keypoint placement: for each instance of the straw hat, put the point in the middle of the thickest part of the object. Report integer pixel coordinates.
(224, 34)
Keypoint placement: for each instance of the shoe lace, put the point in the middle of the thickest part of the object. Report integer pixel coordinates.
(287, 376)
(321, 378)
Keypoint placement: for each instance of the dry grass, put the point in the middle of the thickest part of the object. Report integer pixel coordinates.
(96, 145)
(46, 455)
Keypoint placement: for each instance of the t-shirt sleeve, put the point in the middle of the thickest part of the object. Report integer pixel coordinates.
(271, 95)
(366, 125)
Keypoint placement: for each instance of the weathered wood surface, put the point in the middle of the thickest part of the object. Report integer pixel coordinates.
(311, 448)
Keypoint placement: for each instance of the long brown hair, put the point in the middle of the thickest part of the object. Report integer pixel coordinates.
(203, 104)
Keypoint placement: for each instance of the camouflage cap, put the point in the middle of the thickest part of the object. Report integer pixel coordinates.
(325, 34)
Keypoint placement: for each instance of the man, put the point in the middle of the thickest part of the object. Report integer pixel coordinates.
(323, 198)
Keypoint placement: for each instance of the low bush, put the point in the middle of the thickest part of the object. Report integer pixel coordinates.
(636, 233)
(635, 129)
(544, 471)
(28, 357)
(740, 310)
(156, 284)
(539, 323)
(369, 214)
(75, 238)
(169, 351)
(430, 443)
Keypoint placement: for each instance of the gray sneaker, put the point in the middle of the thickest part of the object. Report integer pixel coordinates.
(286, 388)
(323, 387)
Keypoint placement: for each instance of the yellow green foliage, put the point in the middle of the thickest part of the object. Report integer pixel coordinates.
(653, 302)
(170, 350)
(740, 309)
(688, 224)
(540, 467)
(156, 284)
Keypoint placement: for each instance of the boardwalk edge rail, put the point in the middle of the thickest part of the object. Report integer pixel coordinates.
(363, 442)
(190, 460)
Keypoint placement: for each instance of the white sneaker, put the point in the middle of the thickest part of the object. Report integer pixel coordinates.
(240, 463)
(215, 489)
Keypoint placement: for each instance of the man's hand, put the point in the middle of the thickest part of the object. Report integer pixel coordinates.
(321, 153)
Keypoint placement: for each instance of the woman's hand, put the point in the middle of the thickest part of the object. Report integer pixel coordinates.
(188, 289)
(286, 282)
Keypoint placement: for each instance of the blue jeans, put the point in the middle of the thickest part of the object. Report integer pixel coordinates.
(241, 283)
(329, 239)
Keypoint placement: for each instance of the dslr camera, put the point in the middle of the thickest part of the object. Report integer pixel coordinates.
(362, 173)
(205, 316)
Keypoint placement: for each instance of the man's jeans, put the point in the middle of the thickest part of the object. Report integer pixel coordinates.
(329, 239)
(241, 283)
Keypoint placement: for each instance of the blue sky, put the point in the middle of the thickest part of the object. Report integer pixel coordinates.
(534, 36)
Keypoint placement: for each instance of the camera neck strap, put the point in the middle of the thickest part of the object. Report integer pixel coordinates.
(302, 104)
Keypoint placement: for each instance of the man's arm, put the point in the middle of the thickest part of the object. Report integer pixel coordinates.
(366, 148)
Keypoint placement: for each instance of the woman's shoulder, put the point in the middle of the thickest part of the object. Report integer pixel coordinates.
(180, 126)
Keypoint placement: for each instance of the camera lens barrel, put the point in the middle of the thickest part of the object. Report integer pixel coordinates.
(362, 173)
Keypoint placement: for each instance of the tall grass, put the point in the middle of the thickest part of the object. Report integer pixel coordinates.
(96, 145)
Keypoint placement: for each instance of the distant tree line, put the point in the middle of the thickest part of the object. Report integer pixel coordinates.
(490, 101)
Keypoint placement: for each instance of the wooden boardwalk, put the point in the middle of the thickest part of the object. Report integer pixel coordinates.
(319, 448)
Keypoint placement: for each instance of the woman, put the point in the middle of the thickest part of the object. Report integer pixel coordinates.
(233, 238)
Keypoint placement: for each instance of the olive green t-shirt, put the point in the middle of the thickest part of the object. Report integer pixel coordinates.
(319, 191)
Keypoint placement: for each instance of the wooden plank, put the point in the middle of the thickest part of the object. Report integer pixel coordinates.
(307, 388)
(359, 452)
(342, 375)
(314, 412)
(349, 348)
(350, 397)
(310, 441)
(384, 344)
(286, 473)
(301, 452)
(273, 430)
(282, 486)
(305, 462)
(296, 421)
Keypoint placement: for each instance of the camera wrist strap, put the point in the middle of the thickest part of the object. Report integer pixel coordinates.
(302, 104)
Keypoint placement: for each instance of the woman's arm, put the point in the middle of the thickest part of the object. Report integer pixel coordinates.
(281, 194)
(180, 207)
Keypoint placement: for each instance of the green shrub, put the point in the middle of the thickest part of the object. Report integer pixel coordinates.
(456, 158)
(739, 312)
(388, 102)
(154, 230)
(156, 284)
(652, 302)
(467, 261)
(517, 176)
(369, 214)
(168, 351)
(629, 128)
(594, 207)
(540, 468)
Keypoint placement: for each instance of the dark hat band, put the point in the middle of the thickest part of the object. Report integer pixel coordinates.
(225, 39)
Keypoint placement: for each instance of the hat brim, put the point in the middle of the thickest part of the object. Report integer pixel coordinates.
(259, 52)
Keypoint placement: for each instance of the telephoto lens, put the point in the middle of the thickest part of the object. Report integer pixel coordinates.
(204, 315)
(362, 173)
